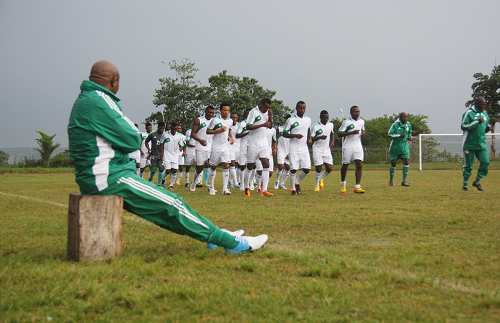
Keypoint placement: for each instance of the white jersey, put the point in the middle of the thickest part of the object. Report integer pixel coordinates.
(242, 128)
(257, 137)
(182, 142)
(202, 134)
(296, 125)
(220, 140)
(283, 142)
(171, 144)
(236, 145)
(352, 141)
(319, 129)
(143, 148)
(190, 141)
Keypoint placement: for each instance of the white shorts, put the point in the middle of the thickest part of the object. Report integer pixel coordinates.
(234, 155)
(180, 161)
(352, 154)
(256, 153)
(170, 164)
(145, 162)
(136, 155)
(201, 157)
(300, 160)
(282, 159)
(322, 158)
(189, 158)
(218, 157)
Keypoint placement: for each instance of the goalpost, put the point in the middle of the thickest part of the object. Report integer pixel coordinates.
(430, 149)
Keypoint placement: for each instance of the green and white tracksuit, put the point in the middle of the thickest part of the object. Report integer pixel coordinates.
(100, 138)
(399, 148)
(474, 143)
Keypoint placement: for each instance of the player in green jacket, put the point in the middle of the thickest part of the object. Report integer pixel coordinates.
(400, 133)
(100, 138)
(475, 125)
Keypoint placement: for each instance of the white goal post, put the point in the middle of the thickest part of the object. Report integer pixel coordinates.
(420, 137)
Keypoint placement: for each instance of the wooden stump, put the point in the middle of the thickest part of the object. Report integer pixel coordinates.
(94, 227)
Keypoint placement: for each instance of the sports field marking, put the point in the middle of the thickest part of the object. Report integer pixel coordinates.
(131, 218)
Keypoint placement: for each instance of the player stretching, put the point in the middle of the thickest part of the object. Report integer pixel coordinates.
(155, 151)
(259, 119)
(297, 128)
(199, 133)
(322, 139)
(400, 133)
(220, 128)
(353, 129)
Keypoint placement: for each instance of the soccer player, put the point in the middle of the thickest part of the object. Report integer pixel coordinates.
(297, 128)
(282, 157)
(353, 129)
(400, 132)
(258, 120)
(100, 138)
(220, 128)
(170, 147)
(182, 153)
(144, 151)
(234, 171)
(322, 138)
(190, 155)
(242, 135)
(199, 134)
(271, 146)
(155, 151)
(475, 125)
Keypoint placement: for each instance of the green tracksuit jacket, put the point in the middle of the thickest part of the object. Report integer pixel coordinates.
(100, 138)
(474, 136)
(399, 145)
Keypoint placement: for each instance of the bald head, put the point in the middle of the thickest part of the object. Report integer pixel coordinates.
(106, 75)
(480, 103)
(403, 117)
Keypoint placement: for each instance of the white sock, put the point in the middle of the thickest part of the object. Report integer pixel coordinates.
(278, 175)
(248, 174)
(211, 178)
(302, 175)
(138, 171)
(316, 178)
(187, 177)
(195, 176)
(258, 180)
(234, 178)
(293, 179)
(225, 179)
(324, 174)
(265, 179)
(286, 173)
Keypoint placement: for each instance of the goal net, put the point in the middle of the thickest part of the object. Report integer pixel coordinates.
(444, 151)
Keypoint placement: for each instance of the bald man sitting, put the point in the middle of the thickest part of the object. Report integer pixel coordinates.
(100, 138)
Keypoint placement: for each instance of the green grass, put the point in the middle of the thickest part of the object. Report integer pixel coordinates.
(426, 253)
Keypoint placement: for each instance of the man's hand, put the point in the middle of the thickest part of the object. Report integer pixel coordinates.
(323, 137)
(354, 132)
(332, 144)
(488, 128)
(222, 129)
(203, 142)
(410, 139)
(403, 135)
(481, 120)
(299, 136)
(310, 142)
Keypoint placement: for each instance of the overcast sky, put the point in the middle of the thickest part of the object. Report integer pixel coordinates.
(384, 56)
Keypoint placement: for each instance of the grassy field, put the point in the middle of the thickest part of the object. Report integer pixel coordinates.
(428, 253)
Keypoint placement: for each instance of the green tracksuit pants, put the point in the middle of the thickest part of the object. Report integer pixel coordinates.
(484, 161)
(166, 210)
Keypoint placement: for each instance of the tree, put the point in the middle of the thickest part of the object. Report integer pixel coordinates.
(181, 97)
(4, 158)
(488, 86)
(243, 93)
(47, 146)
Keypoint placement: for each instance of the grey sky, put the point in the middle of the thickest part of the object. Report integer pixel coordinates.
(384, 56)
